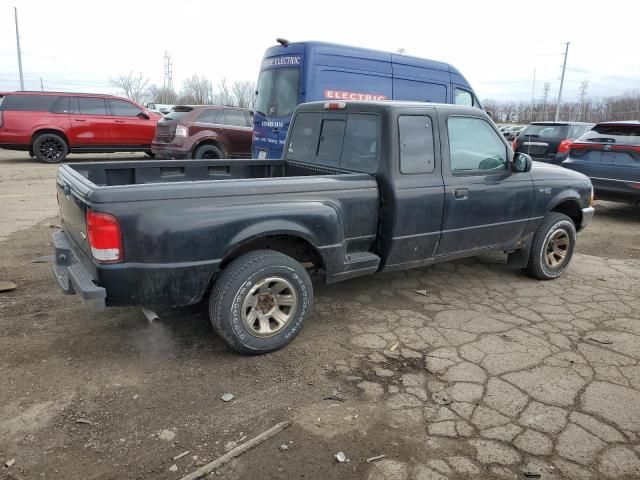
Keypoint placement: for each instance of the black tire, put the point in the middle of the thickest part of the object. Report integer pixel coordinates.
(50, 148)
(237, 283)
(208, 151)
(543, 245)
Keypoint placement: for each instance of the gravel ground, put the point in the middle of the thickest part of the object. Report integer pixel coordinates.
(461, 370)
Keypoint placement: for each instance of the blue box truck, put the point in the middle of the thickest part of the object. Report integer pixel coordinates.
(294, 73)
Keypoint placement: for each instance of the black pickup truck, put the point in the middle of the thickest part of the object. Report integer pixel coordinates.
(363, 187)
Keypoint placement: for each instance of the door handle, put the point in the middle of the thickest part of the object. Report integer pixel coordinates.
(461, 193)
(79, 120)
(119, 121)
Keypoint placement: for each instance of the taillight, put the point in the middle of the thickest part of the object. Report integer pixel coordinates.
(105, 237)
(514, 144)
(564, 146)
(182, 131)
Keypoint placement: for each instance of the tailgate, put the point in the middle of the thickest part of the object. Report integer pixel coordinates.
(72, 207)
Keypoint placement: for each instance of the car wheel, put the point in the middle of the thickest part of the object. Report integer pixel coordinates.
(208, 151)
(260, 301)
(50, 148)
(552, 247)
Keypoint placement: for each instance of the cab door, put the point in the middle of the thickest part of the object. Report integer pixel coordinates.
(131, 125)
(91, 122)
(485, 203)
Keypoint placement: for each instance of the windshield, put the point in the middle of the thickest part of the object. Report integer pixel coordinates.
(546, 131)
(278, 91)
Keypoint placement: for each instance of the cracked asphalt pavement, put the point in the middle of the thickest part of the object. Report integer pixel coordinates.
(461, 370)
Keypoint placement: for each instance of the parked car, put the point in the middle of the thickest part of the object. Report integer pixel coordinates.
(511, 132)
(363, 187)
(206, 131)
(609, 154)
(549, 141)
(299, 72)
(50, 125)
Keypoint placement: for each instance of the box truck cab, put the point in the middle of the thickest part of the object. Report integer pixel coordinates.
(294, 73)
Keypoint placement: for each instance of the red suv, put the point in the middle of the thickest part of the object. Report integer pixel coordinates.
(204, 131)
(49, 125)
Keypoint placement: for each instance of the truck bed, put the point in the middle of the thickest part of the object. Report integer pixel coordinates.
(181, 218)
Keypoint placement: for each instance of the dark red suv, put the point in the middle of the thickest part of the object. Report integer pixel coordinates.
(49, 125)
(204, 131)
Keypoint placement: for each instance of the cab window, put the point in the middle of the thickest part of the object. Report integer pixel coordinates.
(416, 144)
(474, 146)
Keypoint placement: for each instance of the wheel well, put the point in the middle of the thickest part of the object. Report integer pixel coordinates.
(296, 247)
(208, 141)
(571, 209)
(48, 130)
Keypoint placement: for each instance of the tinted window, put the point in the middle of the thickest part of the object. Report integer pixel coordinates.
(315, 139)
(62, 106)
(628, 134)
(236, 118)
(210, 116)
(120, 108)
(463, 98)
(474, 145)
(360, 146)
(330, 144)
(416, 144)
(176, 114)
(92, 106)
(303, 141)
(29, 103)
(546, 131)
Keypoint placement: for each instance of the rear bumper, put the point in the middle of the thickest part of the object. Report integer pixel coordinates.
(171, 150)
(73, 277)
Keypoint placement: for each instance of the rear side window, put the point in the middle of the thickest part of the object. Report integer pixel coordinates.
(350, 141)
(211, 115)
(416, 144)
(237, 118)
(29, 103)
(92, 106)
(120, 108)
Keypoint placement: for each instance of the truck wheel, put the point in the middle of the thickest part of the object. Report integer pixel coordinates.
(50, 148)
(552, 247)
(208, 151)
(260, 301)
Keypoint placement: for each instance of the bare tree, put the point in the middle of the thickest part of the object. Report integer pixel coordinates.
(158, 94)
(132, 86)
(224, 95)
(244, 93)
(197, 91)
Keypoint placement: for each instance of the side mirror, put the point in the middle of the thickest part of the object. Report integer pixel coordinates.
(144, 115)
(521, 162)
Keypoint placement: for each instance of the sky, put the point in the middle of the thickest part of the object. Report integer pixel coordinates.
(80, 45)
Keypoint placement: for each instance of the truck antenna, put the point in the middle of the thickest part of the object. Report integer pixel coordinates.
(283, 41)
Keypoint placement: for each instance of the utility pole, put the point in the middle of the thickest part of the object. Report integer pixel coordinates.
(15, 13)
(533, 91)
(401, 51)
(581, 99)
(564, 67)
(168, 76)
(41, 85)
(545, 97)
